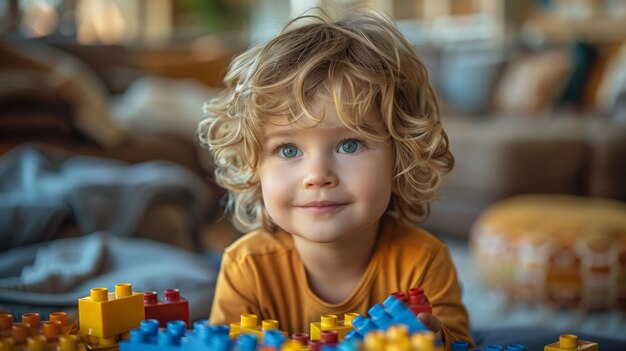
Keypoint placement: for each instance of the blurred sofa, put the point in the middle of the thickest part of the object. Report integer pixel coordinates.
(501, 157)
(541, 121)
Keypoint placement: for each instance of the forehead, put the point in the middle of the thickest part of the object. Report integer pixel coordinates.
(324, 116)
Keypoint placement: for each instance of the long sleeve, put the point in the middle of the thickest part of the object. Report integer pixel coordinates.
(234, 294)
(444, 293)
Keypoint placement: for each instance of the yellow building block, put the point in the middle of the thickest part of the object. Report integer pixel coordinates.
(330, 322)
(292, 345)
(248, 325)
(95, 343)
(103, 314)
(570, 342)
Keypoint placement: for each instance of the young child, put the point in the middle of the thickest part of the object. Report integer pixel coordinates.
(329, 141)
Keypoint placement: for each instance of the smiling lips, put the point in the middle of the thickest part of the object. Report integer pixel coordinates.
(321, 207)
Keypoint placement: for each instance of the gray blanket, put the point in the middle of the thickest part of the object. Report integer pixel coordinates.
(60, 272)
(41, 187)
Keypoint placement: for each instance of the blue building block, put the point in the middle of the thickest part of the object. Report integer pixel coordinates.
(246, 342)
(206, 337)
(401, 314)
(176, 338)
(273, 338)
(363, 325)
(148, 337)
(353, 335)
(459, 345)
(380, 317)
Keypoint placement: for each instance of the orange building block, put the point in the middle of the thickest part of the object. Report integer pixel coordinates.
(103, 314)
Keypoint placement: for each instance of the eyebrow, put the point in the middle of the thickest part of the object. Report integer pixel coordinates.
(290, 133)
(279, 134)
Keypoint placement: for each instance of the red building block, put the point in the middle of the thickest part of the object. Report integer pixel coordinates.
(416, 300)
(174, 308)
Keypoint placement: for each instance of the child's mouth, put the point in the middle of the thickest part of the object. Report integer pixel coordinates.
(322, 207)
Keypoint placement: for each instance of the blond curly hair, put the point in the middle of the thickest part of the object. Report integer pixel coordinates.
(361, 63)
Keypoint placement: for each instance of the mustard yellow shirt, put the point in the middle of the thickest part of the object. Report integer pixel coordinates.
(262, 273)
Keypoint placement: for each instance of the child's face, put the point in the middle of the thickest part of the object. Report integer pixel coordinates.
(324, 183)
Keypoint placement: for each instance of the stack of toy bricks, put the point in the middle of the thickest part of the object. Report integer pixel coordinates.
(34, 335)
(133, 321)
(105, 318)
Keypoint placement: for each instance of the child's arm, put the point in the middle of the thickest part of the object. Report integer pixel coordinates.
(234, 294)
(444, 293)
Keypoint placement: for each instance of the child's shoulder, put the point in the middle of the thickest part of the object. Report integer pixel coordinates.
(260, 242)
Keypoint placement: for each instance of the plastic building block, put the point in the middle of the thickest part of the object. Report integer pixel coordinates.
(101, 344)
(248, 325)
(415, 299)
(33, 322)
(396, 337)
(6, 324)
(392, 312)
(315, 345)
(418, 302)
(459, 345)
(51, 331)
(174, 308)
(329, 322)
(374, 341)
(298, 342)
(203, 337)
(380, 317)
(362, 325)
(6, 344)
(401, 314)
(515, 347)
(70, 343)
(425, 341)
(150, 338)
(274, 338)
(31, 333)
(208, 337)
(105, 314)
(294, 345)
(570, 342)
(329, 337)
(68, 326)
(246, 342)
(19, 334)
(36, 343)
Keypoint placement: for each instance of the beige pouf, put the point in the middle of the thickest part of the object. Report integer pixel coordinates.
(567, 251)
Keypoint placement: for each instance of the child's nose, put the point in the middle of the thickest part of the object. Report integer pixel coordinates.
(319, 174)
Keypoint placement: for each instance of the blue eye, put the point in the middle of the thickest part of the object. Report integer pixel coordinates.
(349, 146)
(288, 151)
